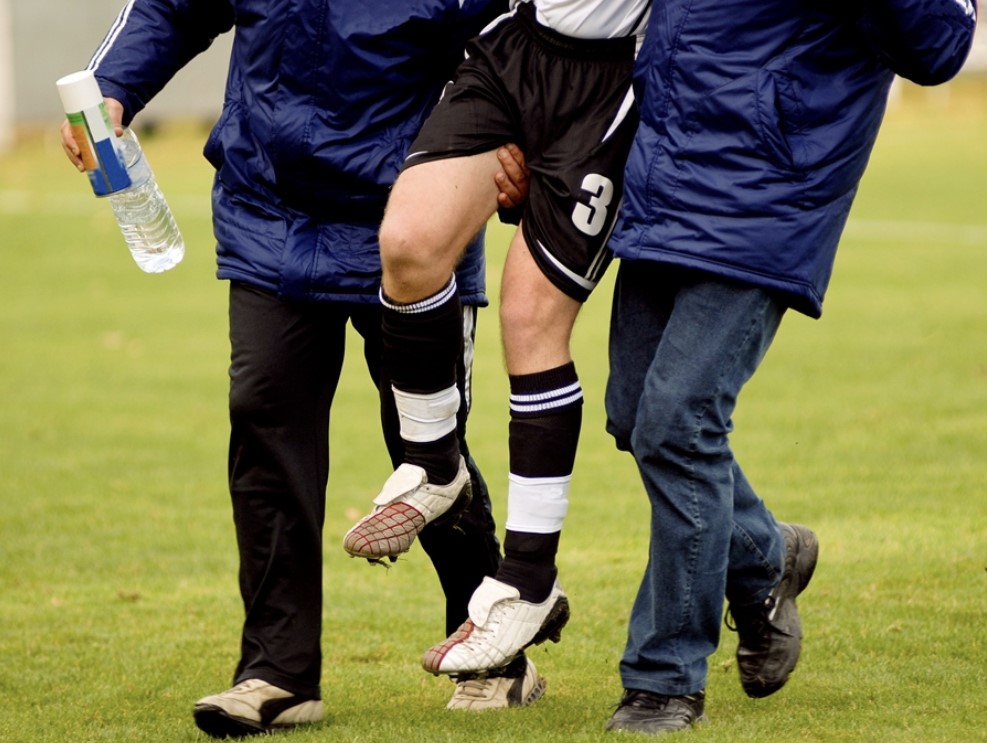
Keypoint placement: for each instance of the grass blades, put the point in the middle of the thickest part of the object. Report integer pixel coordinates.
(118, 598)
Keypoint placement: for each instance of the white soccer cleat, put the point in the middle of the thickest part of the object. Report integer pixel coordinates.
(254, 707)
(500, 626)
(477, 694)
(406, 505)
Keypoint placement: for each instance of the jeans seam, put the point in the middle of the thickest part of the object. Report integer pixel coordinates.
(754, 549)
(702, 415)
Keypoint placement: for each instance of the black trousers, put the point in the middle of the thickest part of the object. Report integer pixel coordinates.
(286, 360)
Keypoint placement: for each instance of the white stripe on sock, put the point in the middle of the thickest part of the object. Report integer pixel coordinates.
(548, 400)
(423, 305)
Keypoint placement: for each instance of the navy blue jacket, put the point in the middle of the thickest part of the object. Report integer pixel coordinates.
(757, 121)
(323, 98)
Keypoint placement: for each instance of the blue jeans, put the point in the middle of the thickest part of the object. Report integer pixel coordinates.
(682, 344)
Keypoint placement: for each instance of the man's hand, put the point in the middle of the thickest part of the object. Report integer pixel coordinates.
(115, 110)
(512, 179)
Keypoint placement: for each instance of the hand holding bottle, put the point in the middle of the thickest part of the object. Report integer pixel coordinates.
(95, 141)
(114, 109)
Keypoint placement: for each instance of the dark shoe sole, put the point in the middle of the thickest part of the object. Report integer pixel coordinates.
(653, 714)
(215, 723)
(652, 727)
(551, 628)
(806, 556)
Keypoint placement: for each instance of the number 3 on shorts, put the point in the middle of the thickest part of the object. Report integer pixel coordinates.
(591, 218)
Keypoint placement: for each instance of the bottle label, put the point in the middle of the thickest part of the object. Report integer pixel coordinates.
(101, 155)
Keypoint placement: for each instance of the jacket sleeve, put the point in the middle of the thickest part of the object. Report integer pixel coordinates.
(150, 41)
(926, 41)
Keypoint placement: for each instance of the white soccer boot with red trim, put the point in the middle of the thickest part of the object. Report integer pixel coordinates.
(406, 505)
(500, 626)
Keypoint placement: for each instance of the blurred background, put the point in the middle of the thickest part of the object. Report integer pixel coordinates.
(42, 41)
(118, 602)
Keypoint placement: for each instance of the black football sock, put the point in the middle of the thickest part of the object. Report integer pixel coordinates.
(546, 416)
(422, 342)
(529, 563)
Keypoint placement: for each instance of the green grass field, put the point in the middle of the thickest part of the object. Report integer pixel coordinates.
(118, 598)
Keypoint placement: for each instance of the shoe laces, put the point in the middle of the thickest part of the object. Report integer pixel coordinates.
(496, 617)
(474, 688)
(643, 699)
(649, 700)
(751, 619)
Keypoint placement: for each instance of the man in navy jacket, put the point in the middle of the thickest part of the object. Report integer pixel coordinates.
(757, 120)
(322, 101)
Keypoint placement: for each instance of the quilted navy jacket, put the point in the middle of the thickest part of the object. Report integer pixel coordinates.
(757, 120)
(323, 98)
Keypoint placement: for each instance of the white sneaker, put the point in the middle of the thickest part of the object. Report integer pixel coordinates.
(476, 694)
(500, 626)
(406, 505)
(254, 707)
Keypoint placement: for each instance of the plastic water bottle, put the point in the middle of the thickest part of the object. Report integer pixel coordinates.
(143, 215)
(117, 168)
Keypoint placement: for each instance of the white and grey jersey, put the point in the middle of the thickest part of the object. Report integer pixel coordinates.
(593, 19)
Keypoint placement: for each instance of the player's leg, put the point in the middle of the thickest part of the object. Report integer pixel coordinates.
(435, 209)
(554, 263)
(467, 552)
(552, 267)
(546, 415)
(536, 317)
(545, 419)
(464, 553)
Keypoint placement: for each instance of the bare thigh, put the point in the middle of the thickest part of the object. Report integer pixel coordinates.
(434, 210)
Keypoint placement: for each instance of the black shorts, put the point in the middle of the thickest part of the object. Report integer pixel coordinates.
(568, 104)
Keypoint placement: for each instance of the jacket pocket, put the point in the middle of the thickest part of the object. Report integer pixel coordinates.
(213, 149)
(734, 152)
(778, 114)
(749, 120)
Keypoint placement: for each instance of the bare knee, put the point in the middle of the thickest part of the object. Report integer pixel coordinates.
(415, 261)
(402, 244)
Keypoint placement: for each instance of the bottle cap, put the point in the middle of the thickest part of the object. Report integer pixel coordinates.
(79, 91)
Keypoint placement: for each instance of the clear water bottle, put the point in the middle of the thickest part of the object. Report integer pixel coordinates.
(143, 215)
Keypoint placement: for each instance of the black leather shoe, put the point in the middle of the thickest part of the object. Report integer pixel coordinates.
(647, 712)
(771, 633)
